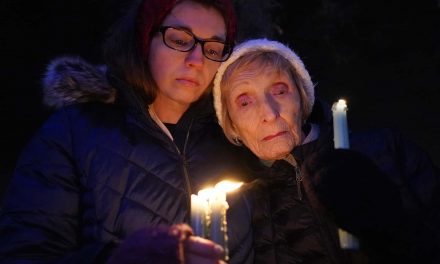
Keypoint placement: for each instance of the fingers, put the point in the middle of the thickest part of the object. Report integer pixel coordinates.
(204, 248)
(182, 231)
(196, 259)
(197, 250)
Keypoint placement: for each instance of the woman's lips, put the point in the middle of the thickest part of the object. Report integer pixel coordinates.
(274, 136)
(188, 82)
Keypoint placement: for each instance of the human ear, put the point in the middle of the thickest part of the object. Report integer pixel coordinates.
(235, 136)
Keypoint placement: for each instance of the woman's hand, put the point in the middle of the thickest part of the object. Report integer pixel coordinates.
(172, 245)
(196, 250)
(202, 251)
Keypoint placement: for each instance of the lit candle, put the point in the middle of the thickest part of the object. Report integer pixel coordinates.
(340, 138)
(199, 208)
(218, 229)
(208, 213)
(340, 128)
(205, 196)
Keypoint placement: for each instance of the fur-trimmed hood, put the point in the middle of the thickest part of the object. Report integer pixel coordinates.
(70, 80)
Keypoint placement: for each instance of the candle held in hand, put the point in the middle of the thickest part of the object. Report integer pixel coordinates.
(208, 213)
(218, 225)
(199, 208)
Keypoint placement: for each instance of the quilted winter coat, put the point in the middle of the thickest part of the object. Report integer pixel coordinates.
(97, 172)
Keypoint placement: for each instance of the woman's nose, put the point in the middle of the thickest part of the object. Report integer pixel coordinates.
(195, 57)
(269, 110)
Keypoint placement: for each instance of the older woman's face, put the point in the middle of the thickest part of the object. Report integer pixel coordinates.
(265, 110)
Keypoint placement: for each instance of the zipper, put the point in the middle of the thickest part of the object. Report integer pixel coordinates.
(182, 156)
(292, 161)
(182, 153)
(298, 177)
(185, 167)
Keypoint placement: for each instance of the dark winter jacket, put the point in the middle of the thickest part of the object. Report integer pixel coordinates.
(400, 228)
(97, 172)
(286, 229)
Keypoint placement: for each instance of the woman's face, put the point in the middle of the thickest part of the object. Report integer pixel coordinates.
(265, 109)
(182, 77)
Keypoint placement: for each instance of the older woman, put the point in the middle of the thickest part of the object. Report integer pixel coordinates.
(264, 99)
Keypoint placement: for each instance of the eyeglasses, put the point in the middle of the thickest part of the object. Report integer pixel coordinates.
(183, 40)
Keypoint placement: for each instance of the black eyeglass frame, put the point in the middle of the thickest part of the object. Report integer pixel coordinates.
(227, 47)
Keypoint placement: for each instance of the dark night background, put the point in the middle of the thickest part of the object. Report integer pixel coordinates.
(382, 56)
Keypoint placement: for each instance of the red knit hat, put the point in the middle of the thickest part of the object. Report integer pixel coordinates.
(153, 12)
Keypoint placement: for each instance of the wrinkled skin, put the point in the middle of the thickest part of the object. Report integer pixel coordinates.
(265, 109)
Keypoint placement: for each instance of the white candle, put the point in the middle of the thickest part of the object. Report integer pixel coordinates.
(340, 138)
(205, 195)
(340, 128)
(218, 230)
(199, 207)
(208, 213)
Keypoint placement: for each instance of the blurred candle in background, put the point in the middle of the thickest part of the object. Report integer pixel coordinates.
(340, 138)
(340, 127)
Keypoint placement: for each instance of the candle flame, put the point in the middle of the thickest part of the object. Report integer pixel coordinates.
(228, 186)
(225, 186)
(341, 105)
(206, 193)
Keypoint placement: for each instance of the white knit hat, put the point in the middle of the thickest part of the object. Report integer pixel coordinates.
(263, 45)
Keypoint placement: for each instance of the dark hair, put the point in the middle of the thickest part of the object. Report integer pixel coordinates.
(126, 48)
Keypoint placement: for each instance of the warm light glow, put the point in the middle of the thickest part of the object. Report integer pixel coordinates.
(228, 186)
(341, 105)
(208, 212)
(206, 193)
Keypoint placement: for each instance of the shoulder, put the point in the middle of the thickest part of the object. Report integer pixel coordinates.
(386, 142)
(66, 130)
(397, 156)
(72, 124)
(94, 113)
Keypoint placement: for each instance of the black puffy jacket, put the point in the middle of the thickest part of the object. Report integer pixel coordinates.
(95, 173)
